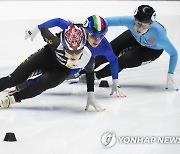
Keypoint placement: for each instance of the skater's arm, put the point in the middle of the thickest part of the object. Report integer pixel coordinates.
(119, 20)
(61, 23)
(111, 57)
(48, 37)
(55, 22)
(90, 75)
(166, 44)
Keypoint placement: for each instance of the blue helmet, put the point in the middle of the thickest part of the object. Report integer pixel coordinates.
(145, 14)
(73, 39)
(96, 26)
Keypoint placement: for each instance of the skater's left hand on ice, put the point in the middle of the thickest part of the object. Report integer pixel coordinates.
(116, 88)
(31, 33)
(170, 84)
(91, 101)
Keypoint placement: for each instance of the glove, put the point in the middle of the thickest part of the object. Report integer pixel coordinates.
(92, 101)
(170, 82)
(116, 88)
(31, 33)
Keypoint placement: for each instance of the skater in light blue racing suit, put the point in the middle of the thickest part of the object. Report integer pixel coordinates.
(143, 42)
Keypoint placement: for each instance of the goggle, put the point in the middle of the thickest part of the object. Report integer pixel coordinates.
(142, 25)
(97, 36)
(72, 52)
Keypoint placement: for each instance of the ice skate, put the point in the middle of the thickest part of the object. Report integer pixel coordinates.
(11, 92)
(7, 101)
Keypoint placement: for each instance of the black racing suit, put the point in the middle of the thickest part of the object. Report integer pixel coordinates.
(89, 68)
(130, 54)
(45, 59)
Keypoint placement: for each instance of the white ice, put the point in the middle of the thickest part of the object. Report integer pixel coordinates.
(55, 122)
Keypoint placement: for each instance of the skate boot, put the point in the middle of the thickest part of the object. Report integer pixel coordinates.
(7, 101)
(11, 92)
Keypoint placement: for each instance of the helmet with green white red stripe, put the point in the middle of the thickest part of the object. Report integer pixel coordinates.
(96, 26)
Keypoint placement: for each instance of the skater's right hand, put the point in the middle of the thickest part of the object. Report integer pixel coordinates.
(91, 101)
(31, 33)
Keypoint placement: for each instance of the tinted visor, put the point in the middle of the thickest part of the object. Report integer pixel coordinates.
(142, 25)
(97, 36)
(72, 52)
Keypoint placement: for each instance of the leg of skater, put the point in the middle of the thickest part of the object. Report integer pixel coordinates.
(133, 58)
(22, 72)
(49, 79)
